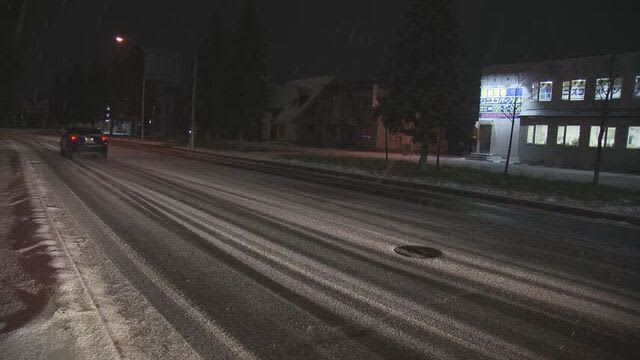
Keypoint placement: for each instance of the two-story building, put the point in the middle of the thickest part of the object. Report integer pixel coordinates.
(326, 112)
(561, 105)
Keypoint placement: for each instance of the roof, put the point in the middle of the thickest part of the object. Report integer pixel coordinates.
(579, 113)
(526, 65)
(287, 98)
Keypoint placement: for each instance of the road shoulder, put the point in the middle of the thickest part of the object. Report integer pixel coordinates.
(95, 311)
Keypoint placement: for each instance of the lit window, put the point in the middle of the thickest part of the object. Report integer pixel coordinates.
(534, 91)
(540, 136)
(602, 89)
(633, 138)
(566, 90)
(530, 131)
(568, 135)
(560, 138)
(577, 90)
(609, 138)
(572, 137)
(546, 91)
(636, 90)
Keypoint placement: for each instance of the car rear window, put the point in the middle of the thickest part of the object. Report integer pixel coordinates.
(84, 131)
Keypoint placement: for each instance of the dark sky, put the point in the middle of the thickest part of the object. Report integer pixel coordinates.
(348, 37)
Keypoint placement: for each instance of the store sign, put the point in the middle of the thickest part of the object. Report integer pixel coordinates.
(498, 102)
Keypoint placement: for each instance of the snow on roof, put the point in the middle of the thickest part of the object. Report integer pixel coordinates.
(288, 97)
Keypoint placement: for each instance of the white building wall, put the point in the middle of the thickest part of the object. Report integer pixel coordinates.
(624, 112)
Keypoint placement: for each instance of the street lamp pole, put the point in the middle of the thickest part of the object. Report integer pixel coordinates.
(144, 81)
(192, 129)
(121, 40)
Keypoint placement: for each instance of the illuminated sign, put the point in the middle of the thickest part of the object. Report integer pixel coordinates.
(498, 102)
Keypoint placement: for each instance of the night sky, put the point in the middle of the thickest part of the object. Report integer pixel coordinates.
(346, 38)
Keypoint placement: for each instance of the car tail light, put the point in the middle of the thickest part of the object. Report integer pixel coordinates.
(103, 138)
(73, 138)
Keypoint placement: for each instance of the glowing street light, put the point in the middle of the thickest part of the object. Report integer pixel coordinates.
(121, 40)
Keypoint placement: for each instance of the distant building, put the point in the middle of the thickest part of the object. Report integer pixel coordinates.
(325, 112)
(288, 107)
(166, 93)
(561, 109)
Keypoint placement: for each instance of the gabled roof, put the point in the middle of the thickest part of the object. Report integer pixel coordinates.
(287, 98)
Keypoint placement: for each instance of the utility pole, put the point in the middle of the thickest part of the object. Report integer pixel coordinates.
(144, 83)
(192, 130)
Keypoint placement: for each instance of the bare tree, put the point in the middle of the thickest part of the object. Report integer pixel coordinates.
(605, 90)
(512, 113)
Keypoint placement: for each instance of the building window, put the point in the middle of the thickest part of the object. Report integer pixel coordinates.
(602, 89)
(561, 133)
(530, 132)
(546, 91)
(633, 138)
(572, 137)
(577, 89)
(636, 89)
(568, 135)
(566, 90)
(609, 139)
(537, 134)
(540, 137)
(534, 91)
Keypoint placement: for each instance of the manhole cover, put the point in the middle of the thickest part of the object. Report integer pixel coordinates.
(420, 252)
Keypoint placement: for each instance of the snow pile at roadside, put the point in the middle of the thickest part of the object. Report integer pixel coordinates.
(129, 322)
(68, 326)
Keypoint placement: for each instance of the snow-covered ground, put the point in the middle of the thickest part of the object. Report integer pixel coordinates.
(89, 308)
(619, 208)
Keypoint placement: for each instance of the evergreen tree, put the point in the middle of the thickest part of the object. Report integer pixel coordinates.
(56, 102)
(212, 81)
(248, 83)
(76, 99)
(96, 90)
(423, 69)
(232, 79)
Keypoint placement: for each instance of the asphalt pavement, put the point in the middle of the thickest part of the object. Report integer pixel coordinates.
(249, 265)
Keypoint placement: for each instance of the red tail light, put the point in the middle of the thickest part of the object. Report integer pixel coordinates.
(73, 138)
(103, 138)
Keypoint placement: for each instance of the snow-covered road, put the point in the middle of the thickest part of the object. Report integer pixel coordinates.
(183, 258)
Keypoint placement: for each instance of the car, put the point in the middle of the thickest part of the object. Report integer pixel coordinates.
(83, 140)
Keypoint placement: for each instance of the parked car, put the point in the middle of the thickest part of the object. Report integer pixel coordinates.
(83, 140)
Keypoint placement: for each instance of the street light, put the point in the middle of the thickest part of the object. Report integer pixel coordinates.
(121, 40)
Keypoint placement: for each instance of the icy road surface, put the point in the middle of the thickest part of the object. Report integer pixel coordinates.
(248, 265)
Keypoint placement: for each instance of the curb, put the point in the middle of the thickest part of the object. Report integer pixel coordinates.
(375, 184)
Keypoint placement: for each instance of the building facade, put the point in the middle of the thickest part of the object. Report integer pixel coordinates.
(559, 106)
(325, 112)
(166, 93)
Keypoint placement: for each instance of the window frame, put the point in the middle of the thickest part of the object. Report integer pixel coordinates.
(606, 144)
(628, 134)
(531, 134)
(546, 138)
(545, 85)
(535, 92)
(636, 87)
(566, 85)
(564, 136)
(573, 86)
(616, 83)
